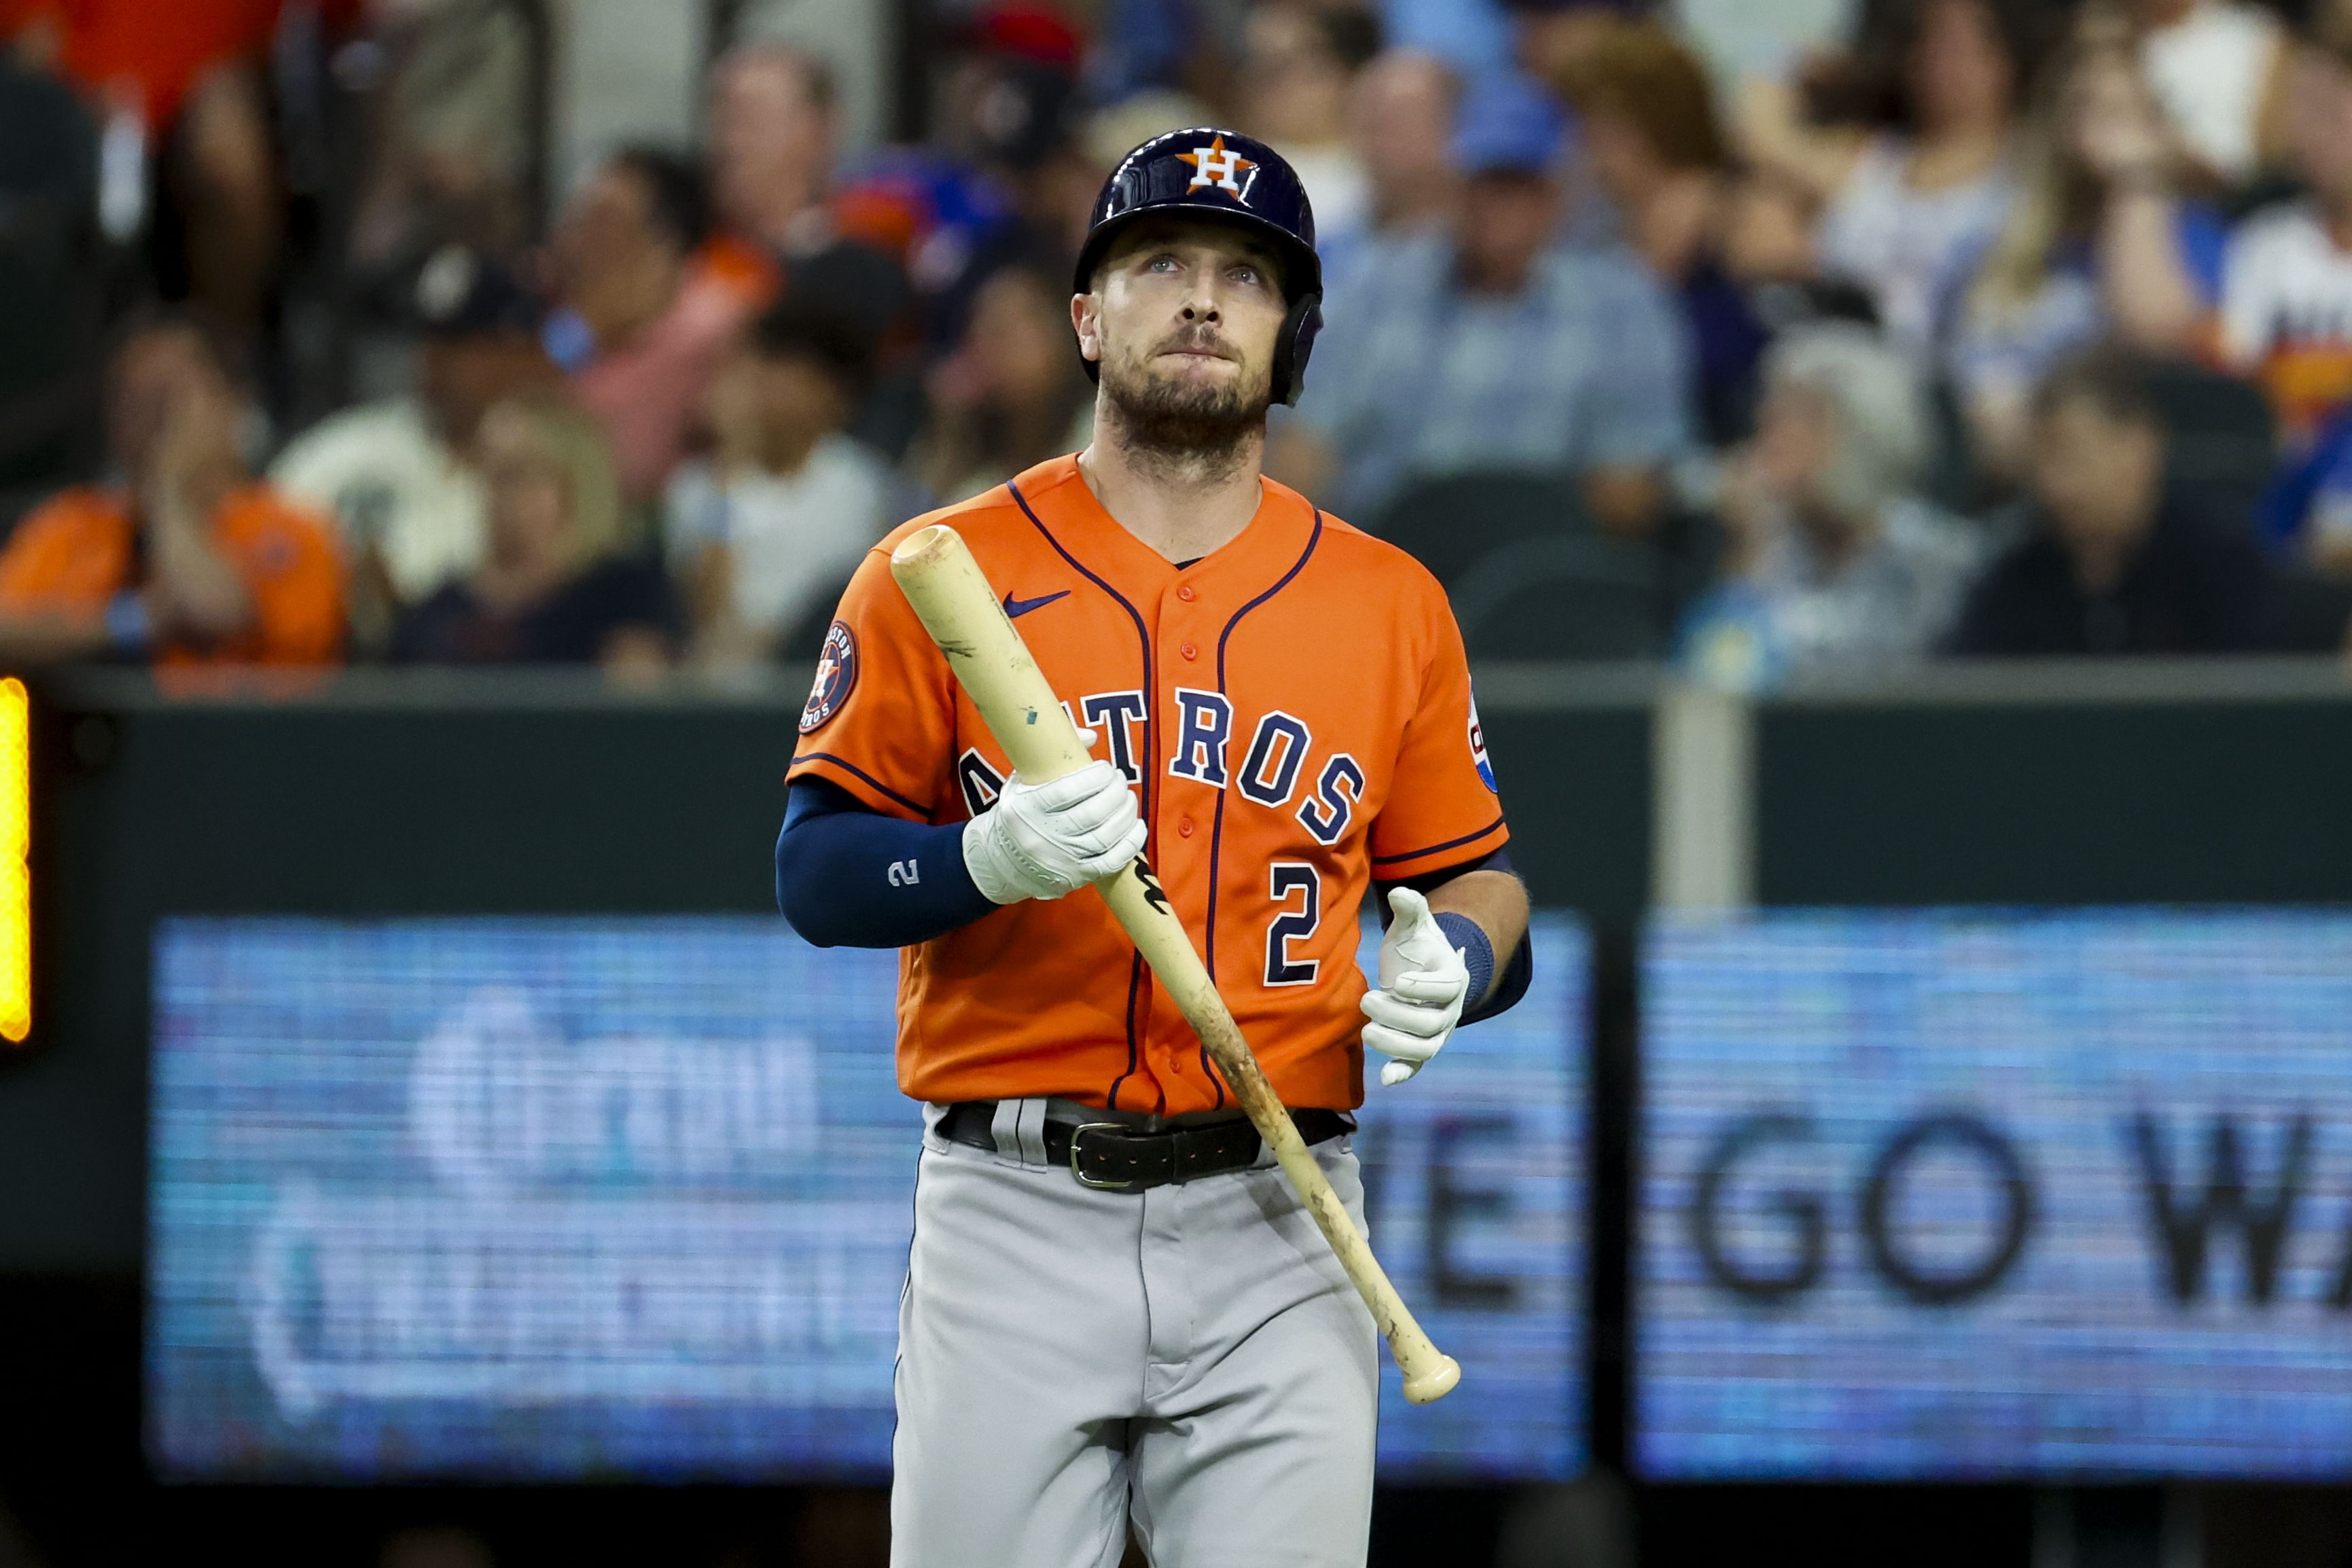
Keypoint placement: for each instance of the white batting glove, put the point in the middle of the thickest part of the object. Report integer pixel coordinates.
(1424, 980)
(1042, 841)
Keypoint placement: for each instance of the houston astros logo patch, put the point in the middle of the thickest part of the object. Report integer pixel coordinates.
(1478, 750)
(1214, 166)
(836, 675)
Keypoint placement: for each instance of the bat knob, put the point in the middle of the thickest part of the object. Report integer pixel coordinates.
(1434, 1383)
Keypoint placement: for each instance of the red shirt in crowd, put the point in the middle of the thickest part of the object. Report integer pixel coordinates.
(162, 47)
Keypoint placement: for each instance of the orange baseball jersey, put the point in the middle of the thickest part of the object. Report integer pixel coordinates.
(1294, 711)
(78, 550)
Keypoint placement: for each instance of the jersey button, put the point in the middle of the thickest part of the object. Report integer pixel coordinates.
(1184, 826)
(1189, 651)
(1184, 592)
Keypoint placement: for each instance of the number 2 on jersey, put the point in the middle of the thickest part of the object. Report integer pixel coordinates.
(1297, 890)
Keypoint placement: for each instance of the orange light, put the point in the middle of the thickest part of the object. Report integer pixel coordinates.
(16, 873)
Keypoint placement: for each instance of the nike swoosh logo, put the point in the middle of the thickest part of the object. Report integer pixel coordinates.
(1016, 609)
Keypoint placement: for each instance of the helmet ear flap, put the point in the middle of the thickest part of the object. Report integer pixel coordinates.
(1294, 344)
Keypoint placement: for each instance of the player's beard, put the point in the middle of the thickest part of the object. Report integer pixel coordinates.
(1200, 428)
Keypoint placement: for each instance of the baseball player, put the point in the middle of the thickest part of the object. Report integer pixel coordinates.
(1117, 1314)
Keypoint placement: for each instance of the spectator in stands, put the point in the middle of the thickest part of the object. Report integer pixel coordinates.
(1766, 249)
(1012, 395)
(781, 227)
(222, 222)
(1299, 64)
(398, 475)
(1400, 123)
(554, 586)
(185, 80)
(1030, 141)
(2305, 517)
(1833, 561)
(764, 532)
(1005, 86)
(450, 162)
(189, 560)
(1651, 140)
(2286, 282)
(2112, 567)
(1492, 347)
(970, 52)
(2218, 68)
(1734, 245)
(1401, 120)
(2098, 241)
(161, 59)
(1555, 38)
(774, 137)
(1911, 202)
(639, 330)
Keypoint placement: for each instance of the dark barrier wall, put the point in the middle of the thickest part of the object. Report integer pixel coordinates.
(435, 794)
(430, 793)
(2224, 782)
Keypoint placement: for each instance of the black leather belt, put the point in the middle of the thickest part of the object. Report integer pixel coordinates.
(1120, 1158)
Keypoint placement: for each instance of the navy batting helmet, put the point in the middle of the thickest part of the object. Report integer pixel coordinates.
(1235, 179)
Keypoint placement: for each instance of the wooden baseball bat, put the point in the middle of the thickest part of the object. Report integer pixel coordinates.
(959, 609)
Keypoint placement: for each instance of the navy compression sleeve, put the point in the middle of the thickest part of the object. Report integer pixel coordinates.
(1517, 969)
(848, 876)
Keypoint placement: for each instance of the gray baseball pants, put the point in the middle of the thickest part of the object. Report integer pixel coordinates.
(1190, 1357)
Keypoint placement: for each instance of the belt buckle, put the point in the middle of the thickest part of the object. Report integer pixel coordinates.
(1077, 1136)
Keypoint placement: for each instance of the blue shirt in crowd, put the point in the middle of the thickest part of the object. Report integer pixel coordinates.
(1585, 368)
(2309, 509)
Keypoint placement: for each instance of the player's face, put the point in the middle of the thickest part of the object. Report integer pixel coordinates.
(1183, 321)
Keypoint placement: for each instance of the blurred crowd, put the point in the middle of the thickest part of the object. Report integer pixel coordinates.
(1718, 333)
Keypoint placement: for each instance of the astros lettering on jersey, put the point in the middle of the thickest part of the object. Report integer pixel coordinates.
(1295, 711)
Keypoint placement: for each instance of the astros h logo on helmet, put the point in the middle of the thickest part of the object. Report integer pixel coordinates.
(1214, 166)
